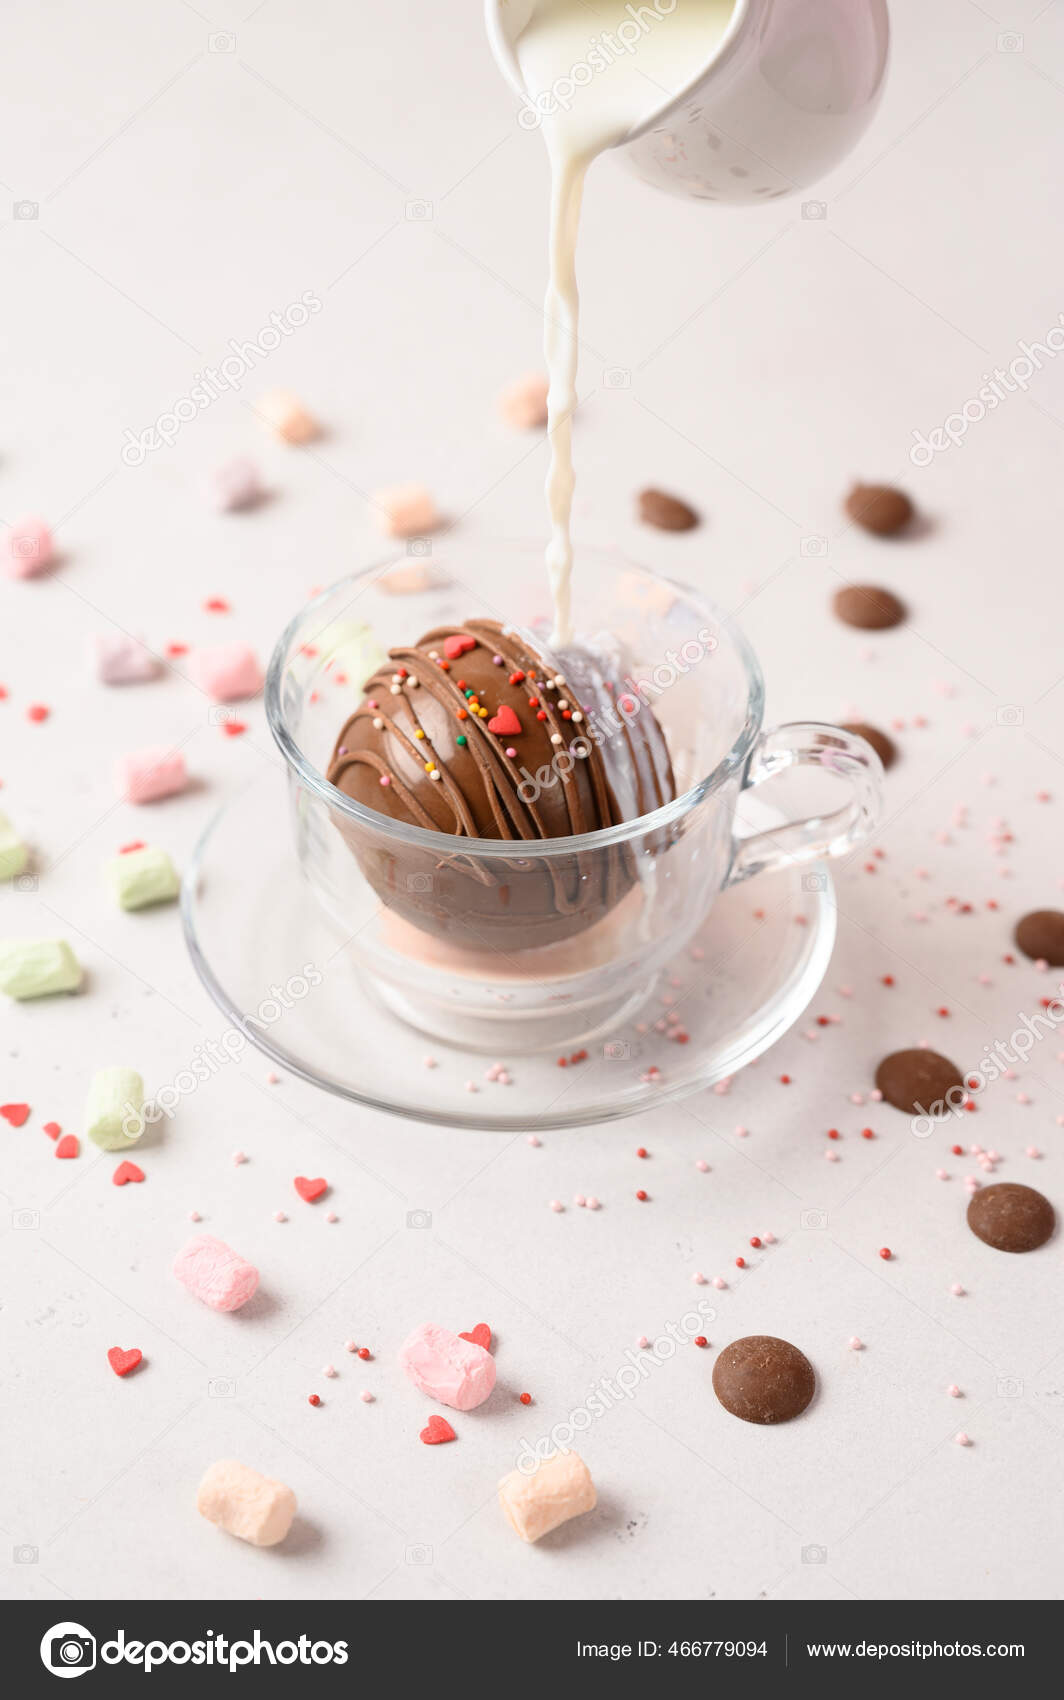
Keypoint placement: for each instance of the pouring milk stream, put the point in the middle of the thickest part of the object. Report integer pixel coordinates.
(592, 71)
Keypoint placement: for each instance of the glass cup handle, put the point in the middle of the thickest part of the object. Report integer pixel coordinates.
(808, 743)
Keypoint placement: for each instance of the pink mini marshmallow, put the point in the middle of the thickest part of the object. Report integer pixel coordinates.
(119, 659)
(456, 1372)
(523, 404)
(144, 776)
(236, 485)
(28, 548)
(227, 672)
(284, 414)
(215, 1274)
(405, 510)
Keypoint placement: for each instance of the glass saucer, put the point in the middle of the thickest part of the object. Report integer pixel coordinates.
(284, 974)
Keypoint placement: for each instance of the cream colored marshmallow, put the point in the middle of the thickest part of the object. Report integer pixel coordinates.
(254, 1508)
(560, 1488)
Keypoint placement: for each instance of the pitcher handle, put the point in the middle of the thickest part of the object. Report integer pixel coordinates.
(808, 743)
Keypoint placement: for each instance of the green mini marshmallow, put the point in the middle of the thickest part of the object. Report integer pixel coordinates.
(13, 853)
(114, 1109)
(35, 968)
(142, 877)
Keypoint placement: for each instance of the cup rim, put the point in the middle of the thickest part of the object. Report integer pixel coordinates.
(518, 849)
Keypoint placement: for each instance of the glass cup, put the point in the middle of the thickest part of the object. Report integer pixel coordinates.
(521, 945)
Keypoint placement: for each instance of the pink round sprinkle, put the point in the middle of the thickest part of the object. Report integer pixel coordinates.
(962, 1439)
(953, 1390)
(831, 1156)
(941, 1175)
(331, 1216)
(239, 1157)
(430, 1062)
(769, 1239)
(533, 1139)
(957, 1290)
(510, 751)
(578, 1198)
(556, 1204)
(194, 1216)
(701, 1165)
(350, 1345)
(698, 1278)
(366, 1396)
(642, 1342)
(279, 1216)
(593, 1203)
(719, 1282)
(273, 1079)
(855, 1344)
(329, 1371)
(385, 779)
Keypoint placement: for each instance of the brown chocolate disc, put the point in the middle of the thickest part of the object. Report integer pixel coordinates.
(885, 748)
(1040, 935)
(918, 1082)
(879, 508)
(668, 513)
(1011, 1217)
(763, 1380)
(868, 606)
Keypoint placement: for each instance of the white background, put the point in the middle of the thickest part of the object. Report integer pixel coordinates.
(183, 194)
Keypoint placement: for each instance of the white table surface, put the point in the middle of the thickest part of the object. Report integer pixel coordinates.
(183, 194)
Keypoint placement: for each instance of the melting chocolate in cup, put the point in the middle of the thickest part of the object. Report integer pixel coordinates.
(469, 732)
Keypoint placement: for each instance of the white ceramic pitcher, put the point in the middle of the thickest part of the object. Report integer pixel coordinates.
(782, 99)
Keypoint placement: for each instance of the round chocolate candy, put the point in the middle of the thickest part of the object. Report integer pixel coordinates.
(868, 606)
(885, 748)
(919, 1082)
(763, 1380)
(1040, 935)
(1011, 1217)
(665, 512)
(879, 508)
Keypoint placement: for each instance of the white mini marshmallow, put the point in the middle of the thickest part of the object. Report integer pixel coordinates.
(119, 659)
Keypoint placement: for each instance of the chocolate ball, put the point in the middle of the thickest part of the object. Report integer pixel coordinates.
(1011, 1217)
(763, 1380)
(1040, 935)
(470, 732)
(885, 747)
(879, 508)
(868, 607)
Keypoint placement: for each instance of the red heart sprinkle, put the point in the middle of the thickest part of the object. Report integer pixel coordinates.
(436, 1431)
(52, 1129)
(234, 728)
(216, 605)
(16, 1114)
(458, 645)
(126, 1171)
(480, 1336)
(310, 1190)
(122, 1361)
(68, 1146)
(504, 723)
(177, 649)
